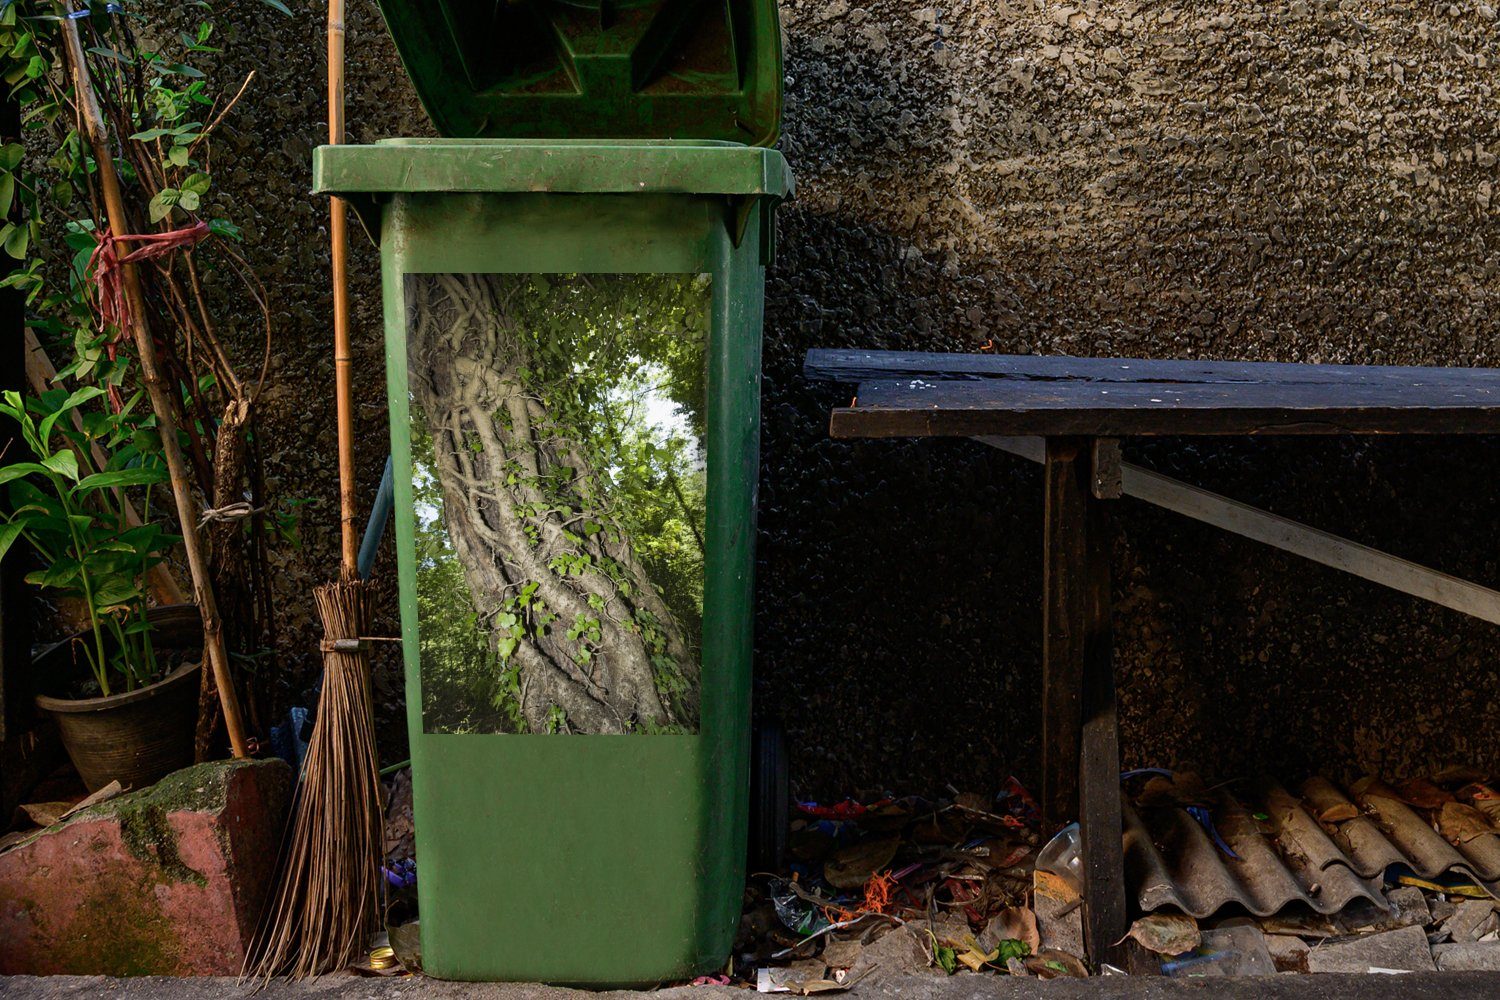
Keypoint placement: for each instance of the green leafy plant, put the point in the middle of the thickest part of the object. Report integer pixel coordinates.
(945, 956)
(75, 517)
(151, 69)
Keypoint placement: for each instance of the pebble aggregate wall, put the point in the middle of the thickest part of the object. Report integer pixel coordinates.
(1303, 181)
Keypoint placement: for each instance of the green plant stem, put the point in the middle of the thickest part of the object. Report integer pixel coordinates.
(49, 557)
(147, 647)
(100, 664)
(128, 654)
(122, 645)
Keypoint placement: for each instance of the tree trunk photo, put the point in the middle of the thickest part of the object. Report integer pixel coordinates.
(559, 484)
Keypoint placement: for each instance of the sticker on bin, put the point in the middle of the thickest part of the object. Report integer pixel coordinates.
(559, 486)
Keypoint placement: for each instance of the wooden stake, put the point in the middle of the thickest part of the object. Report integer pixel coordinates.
(1064, 613)
(161, 401)
(1099, 824)
(343, 358)
(1287, 535)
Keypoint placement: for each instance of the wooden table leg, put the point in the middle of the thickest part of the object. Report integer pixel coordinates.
(1080, 736)
(1064, 615)
(1104, 912)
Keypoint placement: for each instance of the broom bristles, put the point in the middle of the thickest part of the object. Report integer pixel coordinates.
(327, 898)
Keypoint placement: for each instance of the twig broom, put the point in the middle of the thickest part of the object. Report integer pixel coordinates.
(327, 900)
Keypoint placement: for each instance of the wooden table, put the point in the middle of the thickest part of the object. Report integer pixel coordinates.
(1069, 414)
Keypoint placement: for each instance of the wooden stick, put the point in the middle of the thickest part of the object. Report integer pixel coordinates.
(1099, 826)
(1291, 536)
(40, 372)
(1312, 543)
(161, 400)
(343, 358)
(1064, 627)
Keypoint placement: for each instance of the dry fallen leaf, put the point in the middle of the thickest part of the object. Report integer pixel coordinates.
(1157, 791)
(1052, 964)
(1016, 923)
(104, 794)
(839, 954)
(1338, 812)
(1460, 824)
(972, 958)
(45, 813)
(1326, 802)
(1484, 798)
(1458, 774)
(1166, 933)
(799, 975)
(1423, 794)
(1371, 787)
(1183, 788)
(851, 867)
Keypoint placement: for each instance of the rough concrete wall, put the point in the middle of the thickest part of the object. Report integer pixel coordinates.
(1305, 181)
(265, 176)
(1309, 181)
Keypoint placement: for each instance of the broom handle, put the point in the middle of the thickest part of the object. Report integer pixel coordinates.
(343, 360)
(161, 403)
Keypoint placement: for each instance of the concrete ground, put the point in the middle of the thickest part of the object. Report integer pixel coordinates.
(1417, 986)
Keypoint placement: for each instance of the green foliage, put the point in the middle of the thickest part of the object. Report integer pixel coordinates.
(161, 112)
(945, 956)
(147, 79)
(1008, 949)
(557, 720)
(470, 684)
(620, 364)
(74, 517)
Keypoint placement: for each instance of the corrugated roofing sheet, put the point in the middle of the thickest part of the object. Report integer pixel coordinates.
(1324, 848)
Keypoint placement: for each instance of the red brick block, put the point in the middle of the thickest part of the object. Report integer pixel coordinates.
(168, 881)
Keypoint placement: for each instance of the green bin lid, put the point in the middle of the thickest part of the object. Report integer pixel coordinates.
(594, 69)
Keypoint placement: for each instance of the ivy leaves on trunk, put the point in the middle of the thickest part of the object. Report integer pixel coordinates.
(557, 438)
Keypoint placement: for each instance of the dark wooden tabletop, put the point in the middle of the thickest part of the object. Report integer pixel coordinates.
(899, 394)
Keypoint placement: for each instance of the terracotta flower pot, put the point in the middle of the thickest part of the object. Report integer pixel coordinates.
(136, 737)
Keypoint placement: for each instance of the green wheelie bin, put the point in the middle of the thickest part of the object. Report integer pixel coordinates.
(572, 287)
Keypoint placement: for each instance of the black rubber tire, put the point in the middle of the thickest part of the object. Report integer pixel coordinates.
(770, 798)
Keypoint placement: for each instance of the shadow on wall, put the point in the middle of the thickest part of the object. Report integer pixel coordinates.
(1283, 180)
(1153, 180)
(1235, 659)
(898, 583)
(899, 615)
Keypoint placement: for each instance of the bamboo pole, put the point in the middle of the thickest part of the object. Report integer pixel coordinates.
(343, 358)
(40, 372)
(328, 899)
(161, 402)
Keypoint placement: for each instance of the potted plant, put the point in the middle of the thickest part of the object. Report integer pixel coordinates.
(124, 702)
